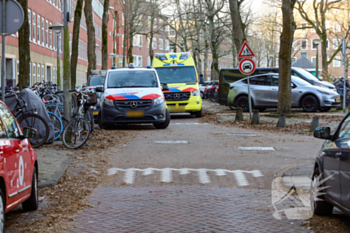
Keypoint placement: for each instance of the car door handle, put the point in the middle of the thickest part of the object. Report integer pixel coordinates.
(338, 155)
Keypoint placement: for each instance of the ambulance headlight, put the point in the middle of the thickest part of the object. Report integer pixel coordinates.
(196, 93)
(158, 101)
(108, 102)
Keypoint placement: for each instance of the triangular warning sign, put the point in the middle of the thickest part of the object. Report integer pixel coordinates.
(245, 51)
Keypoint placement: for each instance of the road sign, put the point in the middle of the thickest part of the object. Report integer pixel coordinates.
(245, 51)
(14, 17)
(247, 66)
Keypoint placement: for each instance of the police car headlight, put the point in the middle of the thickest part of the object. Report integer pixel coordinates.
(158, 101)
(196, 93)
(108, 102)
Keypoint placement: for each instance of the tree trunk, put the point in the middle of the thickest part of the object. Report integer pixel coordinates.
(124, 46)
(284, 90)
(105, 35)
(130, 49)
(214, 51)
(324, 56)
(237, 24)
(91, 48)
(24, 48)
(75, 42)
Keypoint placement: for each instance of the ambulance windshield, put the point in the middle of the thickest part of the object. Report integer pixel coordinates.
(185, 74)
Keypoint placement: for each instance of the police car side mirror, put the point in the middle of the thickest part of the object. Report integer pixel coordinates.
(165, 87)
(99, 89)
(29, 132)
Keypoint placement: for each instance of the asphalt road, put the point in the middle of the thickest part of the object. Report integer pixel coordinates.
(196, 177)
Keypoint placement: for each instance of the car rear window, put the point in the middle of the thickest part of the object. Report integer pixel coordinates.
(96, 80)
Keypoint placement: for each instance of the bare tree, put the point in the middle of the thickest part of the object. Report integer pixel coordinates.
(24, 48)
(75, 41)
(105, 20)
(315, 16)
(238, 27)
(91, 48)
(286, 40)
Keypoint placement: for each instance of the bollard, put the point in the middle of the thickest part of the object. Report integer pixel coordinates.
(281, 121)
(256, 117)
(239, 114)
(314, 124)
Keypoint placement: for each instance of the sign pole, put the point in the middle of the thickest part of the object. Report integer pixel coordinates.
(345, 74)
(249, 99)
(3, 50)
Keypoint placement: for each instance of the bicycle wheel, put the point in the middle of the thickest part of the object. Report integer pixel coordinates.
(76, 133)
(57, 123)
(55, 108)
(89, 117)
(36, 122)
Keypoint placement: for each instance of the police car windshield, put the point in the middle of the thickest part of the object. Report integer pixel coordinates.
(132, 78)
(173, 74)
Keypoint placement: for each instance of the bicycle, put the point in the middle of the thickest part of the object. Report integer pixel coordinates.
(77, 131)
(30, 119)
(57, 123)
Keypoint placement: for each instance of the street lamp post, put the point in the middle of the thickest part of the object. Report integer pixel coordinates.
(317, 42)
(57, 28)
(112, 56)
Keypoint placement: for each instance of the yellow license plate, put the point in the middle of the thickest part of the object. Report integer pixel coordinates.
(96, 112)
(135, 114)
(338, 100)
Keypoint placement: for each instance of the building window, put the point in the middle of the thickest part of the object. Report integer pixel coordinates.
(161, 44)
(43, 31)
(34, 27)
(43, 72)
(335, 44)
(172, 32)
(295, 44)
(166, 45)
(30, 74)
(336, 27)
(304, 44)
(30, 24)
(336, 61)
(39, 71)
(54, 75)
(172, 47)
(54, 41)
(303, 25)
(304, 54)
(39, 29)
(314, 46)
(154, 43)
(327, 25)
(17, 69)
(34, 73)
(50, 37)
(327, 44)
(313, 59)
(47, 34)
(137, 40)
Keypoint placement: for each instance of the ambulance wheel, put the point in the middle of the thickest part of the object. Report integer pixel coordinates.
(165, 124)
(197, 114)
(32, 203)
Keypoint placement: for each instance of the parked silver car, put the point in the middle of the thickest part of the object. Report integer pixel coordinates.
(264, 94)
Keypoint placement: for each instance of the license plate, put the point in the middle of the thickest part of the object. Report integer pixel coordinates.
(96, 113)
(338, 100)
(176, 109)
(135, 114)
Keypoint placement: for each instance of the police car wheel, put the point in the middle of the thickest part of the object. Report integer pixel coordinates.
(318, 203)
(165, 124)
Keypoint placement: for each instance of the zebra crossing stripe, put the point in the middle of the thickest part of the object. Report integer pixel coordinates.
(203, 177)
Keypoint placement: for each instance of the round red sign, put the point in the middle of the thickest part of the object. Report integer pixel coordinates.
(247, 66)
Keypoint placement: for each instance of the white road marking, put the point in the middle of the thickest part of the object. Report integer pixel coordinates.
(203, 177)
(166, 175)
(241, 134)
(256, 148)
(171, 142)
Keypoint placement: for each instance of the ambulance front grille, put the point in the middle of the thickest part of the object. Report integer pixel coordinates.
(177, 96)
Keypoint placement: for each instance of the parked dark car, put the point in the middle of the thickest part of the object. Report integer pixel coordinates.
(207, 89)
(331, 181)
(96, 79)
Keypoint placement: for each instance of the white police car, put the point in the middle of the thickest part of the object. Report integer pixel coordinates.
(132, 95)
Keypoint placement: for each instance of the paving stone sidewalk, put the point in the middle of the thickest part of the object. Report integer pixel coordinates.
(52, 163)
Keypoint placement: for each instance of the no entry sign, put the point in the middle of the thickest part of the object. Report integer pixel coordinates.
(247, 66)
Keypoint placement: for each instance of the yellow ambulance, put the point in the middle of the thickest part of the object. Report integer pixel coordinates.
(177, 71)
